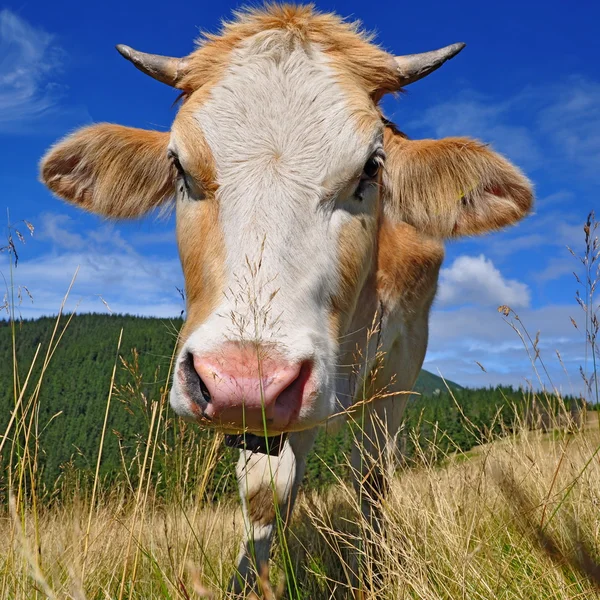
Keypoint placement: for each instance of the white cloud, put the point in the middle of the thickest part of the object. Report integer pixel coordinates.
(29, 57)
(131, 283)
(539, 245)
(505, 246)
(569, 234)
(558, 267)
(56, 229)
(475, 280)
(108, 267)
(551, 130)
(557, 199)
(154, 238)
(459, 338)
(561, 126)
(545, 236)
(465, 325)
(572, 122)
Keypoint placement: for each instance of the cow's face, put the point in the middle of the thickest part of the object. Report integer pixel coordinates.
(283, 168)
(277, 164)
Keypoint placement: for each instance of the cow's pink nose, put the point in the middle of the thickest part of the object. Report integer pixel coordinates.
(250, 387)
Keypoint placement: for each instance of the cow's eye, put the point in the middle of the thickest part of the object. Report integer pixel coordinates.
(184, 183)
(177, 165)
(372, 167)
(370, 173)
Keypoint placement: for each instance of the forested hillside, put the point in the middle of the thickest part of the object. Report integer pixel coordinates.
(74, 389)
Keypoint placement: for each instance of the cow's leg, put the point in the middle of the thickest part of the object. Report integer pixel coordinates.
(374, 458)
(268, 488)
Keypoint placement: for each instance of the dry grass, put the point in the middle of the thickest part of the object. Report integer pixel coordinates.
(469, 529)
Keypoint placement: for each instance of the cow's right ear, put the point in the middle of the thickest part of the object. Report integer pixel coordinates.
(118, 172)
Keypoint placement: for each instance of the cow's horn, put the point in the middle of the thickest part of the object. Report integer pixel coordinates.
(412, 67)
(164, 68)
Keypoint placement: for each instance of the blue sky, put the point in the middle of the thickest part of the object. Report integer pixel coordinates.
(528, 83)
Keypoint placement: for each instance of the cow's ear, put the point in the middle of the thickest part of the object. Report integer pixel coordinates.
(452, 187)
(118, 172)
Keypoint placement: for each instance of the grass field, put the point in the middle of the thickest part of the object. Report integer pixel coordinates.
(518, 518)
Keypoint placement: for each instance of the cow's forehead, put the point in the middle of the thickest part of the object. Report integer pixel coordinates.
(281, 108)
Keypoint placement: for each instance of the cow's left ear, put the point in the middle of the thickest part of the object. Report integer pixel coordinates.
(452, 187)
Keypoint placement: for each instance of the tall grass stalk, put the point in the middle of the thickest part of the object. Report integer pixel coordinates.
(590, 261)
(97, 472)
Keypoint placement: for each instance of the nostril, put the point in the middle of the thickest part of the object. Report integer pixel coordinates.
(204, 390)
(193, 373)
(294, 390)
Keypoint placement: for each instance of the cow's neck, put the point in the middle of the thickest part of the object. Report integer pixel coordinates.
(386, 339)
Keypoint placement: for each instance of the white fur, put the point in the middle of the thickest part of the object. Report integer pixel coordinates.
(282, 137)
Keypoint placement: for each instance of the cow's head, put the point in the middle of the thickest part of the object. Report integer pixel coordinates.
(283, 173)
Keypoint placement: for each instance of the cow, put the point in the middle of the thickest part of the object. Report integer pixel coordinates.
(310, 231)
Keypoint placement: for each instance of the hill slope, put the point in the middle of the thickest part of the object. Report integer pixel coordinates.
(90, 343)
(429, 384)
(72, 400)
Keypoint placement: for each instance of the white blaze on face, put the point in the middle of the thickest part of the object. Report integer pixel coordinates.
(288, 153)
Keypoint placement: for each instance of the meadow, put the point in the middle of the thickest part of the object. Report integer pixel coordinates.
(490, 507)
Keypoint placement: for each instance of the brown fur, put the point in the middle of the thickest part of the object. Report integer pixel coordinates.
(199, 233)
(198, 162)
(355, 258)
(202, 253)
(363, 69)
(408, 264)
(348, 47)
(443, 188)
(451, 187)
(261, 505)
(115, 171)
(433, 188)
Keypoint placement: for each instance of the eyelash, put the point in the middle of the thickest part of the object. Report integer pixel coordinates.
(180, 173)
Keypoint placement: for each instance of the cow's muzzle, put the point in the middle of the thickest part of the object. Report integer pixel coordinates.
(246, 387)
